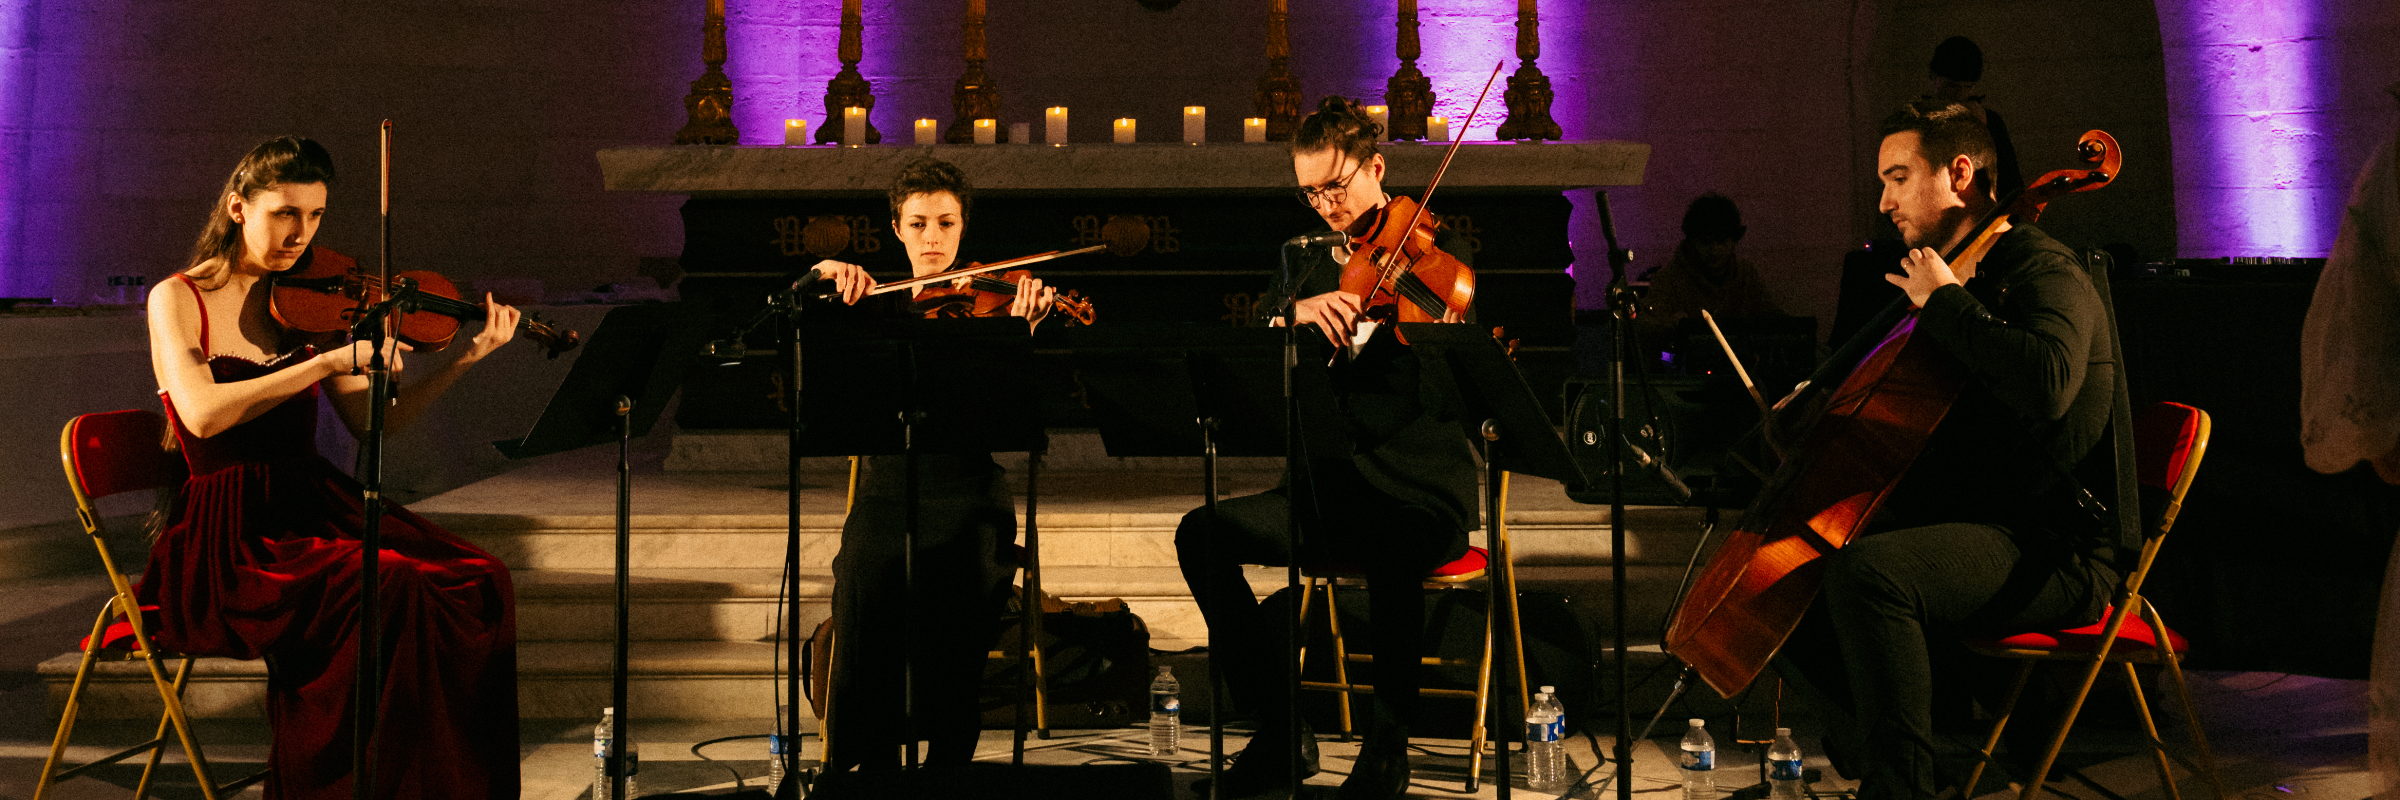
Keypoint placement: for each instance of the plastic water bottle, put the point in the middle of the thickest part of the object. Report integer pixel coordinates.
(777, 745)
(1166, 714)
(602, 746)
(1783, 767)
(1545, 750)
(1699, 763)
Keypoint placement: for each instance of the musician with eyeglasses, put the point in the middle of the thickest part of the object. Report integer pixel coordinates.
(1398, 504)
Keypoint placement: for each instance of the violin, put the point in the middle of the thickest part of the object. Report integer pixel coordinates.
(991, 295)
(325, 291)
(1394, 267)
(1855, 442)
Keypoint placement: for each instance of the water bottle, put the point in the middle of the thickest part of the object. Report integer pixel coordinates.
(777, 745)
(602, 745)
(1545, 750)
(1699, 763)
(1166, 714)
(1783, 767)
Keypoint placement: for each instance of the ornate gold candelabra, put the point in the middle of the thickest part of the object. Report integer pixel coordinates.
(1529, 94)
(1409, 94)
(1279, 98)
(975, 98)
(848, 88)
(708, 110)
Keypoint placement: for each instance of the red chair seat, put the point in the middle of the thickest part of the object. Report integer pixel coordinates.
(2135, 637)
(1474, 561)
(119, 634)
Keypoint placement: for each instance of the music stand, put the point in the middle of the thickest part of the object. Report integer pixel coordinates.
(1180, 391)
(615, 390)
(1503, 412)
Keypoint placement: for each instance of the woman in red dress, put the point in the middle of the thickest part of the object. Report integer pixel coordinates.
(259, 554)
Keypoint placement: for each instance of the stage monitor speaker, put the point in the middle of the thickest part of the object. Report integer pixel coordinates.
(1689, 420)
(1115, 781)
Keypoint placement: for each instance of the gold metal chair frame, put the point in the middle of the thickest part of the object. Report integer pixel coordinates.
(1497, 592)
(2128, 599)
(123, 605)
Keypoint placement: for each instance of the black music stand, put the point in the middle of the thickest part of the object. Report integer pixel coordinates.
(908, 387)
(619, 383)
(1501, 410)
(1179, 391)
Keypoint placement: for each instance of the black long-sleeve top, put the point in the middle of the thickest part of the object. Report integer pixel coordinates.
(1407, 436)
(2041, 368)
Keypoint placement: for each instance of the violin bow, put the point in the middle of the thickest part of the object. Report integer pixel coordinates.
(1766, 413)
(1387, 273)
(955, 274)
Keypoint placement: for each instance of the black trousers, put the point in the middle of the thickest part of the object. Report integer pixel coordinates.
(1891, 601)
(1345, 520)
(964, 516)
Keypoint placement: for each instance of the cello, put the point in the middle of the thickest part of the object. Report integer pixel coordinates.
(1854, 446)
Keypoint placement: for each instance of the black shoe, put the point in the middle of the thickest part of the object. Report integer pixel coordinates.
(1381, 773)
(1262, 765)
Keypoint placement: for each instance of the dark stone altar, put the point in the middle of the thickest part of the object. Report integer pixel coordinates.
(1191, 231)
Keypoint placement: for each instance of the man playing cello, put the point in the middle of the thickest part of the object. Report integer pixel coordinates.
(1983, 531)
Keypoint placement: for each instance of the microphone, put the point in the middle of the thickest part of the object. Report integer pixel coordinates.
(1320, 239)
(1658, 468)
(805, 280)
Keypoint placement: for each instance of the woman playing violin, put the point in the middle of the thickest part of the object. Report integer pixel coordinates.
(1982, 533)
(1401, 504)
(258, 554)
(966, 518)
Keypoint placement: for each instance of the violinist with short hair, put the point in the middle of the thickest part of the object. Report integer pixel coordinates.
(1982, 533)
(1399, 504)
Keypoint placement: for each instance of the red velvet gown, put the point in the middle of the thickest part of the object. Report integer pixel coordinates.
(260, 556)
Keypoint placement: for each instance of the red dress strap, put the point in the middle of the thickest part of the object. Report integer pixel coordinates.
(203, 301)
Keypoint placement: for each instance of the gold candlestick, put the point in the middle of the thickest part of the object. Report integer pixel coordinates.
(848, 88)
(1409, 93)
(975, 98)
(1529, 94)
(1279, 97)
(708, 110)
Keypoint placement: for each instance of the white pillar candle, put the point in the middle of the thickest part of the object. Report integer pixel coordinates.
(1054, 123)
(925, 136)
(1124, 130)
(795, 132)
(1254, 129)
(1382, 117)
(1020, 133)
(854, 126)
(1437, 129)
(987, 131)
(1195, 124)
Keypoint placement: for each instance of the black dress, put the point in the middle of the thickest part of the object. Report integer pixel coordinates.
(965, 518)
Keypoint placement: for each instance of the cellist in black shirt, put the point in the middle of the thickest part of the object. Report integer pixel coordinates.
(1983, 532)
(1399, 504)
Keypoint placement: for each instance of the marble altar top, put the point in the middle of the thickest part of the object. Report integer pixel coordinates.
(1090, 169)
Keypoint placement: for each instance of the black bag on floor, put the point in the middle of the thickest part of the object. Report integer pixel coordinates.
(1096, 656)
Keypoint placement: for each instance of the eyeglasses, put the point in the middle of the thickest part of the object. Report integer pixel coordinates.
(1331, 194)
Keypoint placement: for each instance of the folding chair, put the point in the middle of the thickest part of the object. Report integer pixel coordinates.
(2169, 440)
(1491, 570)
(107, 454)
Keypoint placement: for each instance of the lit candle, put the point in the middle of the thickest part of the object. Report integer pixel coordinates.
(1382, 117)
(1055, 121)
(1124, 130)
(925, 132)
(1437, 129)
(1020, 133)
(986, 132)
(795, 132)
(1195, 124)
(854, 126)
(1254, 129)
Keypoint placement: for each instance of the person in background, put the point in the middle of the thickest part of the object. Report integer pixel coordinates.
(1706, 273)
(1957, 66)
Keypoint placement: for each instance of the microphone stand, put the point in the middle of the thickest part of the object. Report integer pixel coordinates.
(400, 295)
(1621, 302)
(1291, 476)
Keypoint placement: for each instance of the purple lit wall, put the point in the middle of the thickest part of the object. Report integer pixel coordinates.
(2274, 107)
(16, 96)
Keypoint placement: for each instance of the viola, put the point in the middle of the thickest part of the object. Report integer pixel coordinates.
(991, 294)
(325, 291)
(1395, 269)
(1853, 444)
